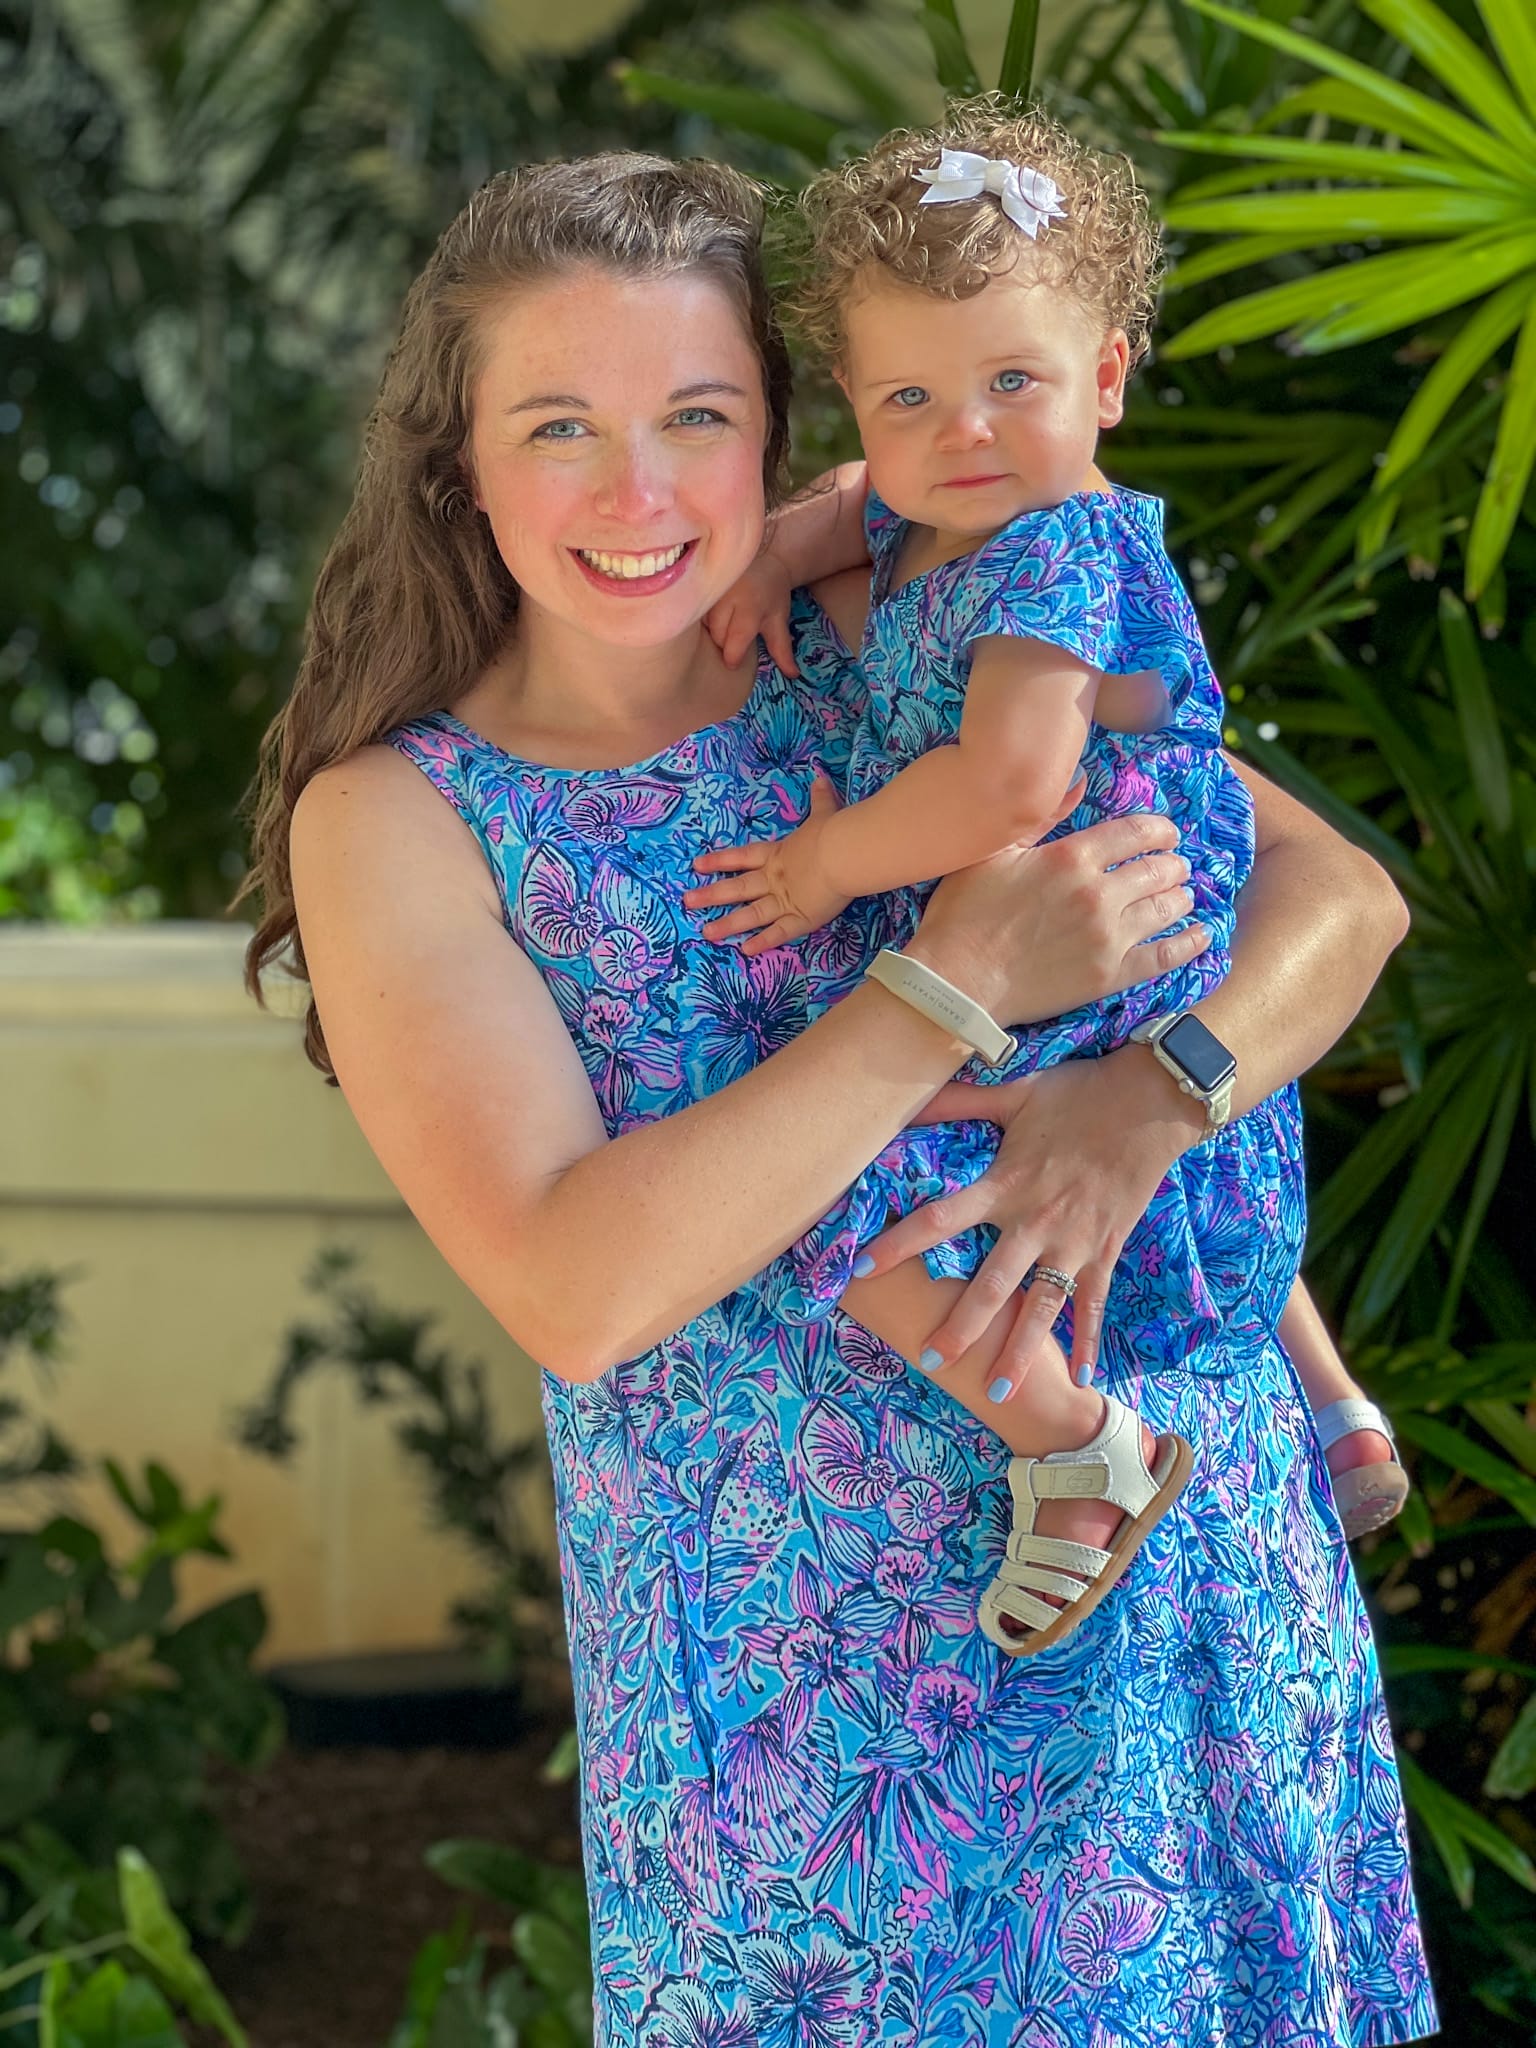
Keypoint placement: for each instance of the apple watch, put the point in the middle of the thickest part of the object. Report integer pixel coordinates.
(1197, 1060)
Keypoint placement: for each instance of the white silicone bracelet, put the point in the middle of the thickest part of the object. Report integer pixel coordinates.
(945, 1004)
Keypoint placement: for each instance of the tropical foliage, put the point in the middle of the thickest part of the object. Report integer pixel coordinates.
(110, 1712)
(205, 212)
(1343, 439)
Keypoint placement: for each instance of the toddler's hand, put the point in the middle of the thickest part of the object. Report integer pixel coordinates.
(755, 607)
(778, 884)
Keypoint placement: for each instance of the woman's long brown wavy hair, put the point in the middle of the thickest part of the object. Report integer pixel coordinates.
(413, 601)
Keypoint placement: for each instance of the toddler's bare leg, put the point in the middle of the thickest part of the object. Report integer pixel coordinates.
(1324, 1377)
(1050, 1412)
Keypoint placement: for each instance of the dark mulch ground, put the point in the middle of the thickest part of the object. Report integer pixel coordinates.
(332, 1841)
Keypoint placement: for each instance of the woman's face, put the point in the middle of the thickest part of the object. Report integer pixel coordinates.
(617, 446)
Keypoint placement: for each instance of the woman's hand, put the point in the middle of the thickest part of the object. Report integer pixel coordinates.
(1084, 1146)
(1037, 930)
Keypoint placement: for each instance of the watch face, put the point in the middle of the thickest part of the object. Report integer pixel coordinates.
(1200, 1053)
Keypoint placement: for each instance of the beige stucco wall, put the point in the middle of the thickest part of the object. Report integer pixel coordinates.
(167, 1142)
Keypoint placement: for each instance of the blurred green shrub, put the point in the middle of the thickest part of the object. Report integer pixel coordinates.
(110, 1709)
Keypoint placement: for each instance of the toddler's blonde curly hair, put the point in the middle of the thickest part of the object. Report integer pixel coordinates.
(868, 215)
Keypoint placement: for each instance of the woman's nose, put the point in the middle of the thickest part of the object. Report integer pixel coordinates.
(967, 426)
(635, 483)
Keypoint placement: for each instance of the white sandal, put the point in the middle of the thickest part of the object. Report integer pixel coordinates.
(1110, 1468)
(1368, 1496)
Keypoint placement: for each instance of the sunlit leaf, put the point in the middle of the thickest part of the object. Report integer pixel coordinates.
(1511, 27)
(1457, 62)
(1454, 133)
(1285, 305)
(1357, 215)
(1480, 337)
(1300, 158)
(1447, 276)
(1514, 452)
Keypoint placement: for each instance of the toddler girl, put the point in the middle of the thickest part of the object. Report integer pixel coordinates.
(983, 291)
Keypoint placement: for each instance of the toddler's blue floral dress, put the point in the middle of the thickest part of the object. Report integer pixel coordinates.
(819, 1809)
(1217, 1248)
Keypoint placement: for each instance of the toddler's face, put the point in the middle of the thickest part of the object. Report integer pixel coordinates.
(975, 410)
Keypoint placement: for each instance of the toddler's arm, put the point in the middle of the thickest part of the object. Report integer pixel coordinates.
(1003, 783)
(819, 533)
(1028, 708)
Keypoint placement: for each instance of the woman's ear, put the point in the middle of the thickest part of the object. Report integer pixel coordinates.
(1114, 368)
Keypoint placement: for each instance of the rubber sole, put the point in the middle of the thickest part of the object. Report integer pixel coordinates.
(1369, 1496)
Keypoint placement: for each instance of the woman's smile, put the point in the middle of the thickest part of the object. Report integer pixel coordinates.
(635, 575)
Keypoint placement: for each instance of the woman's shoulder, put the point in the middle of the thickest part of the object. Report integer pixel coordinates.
(373, 808)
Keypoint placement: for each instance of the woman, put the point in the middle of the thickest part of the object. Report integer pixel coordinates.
(817, 1807)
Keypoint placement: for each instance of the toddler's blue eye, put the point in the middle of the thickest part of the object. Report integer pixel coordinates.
(908, 396)
(1010, 380)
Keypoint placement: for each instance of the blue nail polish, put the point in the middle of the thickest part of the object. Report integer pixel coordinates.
(863, 1265)
(930, 1360)
(1084, 1375)
(1000, 1389)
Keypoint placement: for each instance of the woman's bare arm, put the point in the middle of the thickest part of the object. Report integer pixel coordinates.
(465, 1082)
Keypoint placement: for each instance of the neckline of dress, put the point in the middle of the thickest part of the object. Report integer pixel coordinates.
(1119, 492)
(765, 668)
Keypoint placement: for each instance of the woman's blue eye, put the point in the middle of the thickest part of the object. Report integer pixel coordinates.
(699, 416)
(1010, 380)
(559, 430)
(908, 396)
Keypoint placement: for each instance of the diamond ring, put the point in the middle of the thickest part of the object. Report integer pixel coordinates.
(1065, 1281)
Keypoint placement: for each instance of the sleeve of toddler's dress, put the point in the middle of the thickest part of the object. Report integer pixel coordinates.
(1052, 575)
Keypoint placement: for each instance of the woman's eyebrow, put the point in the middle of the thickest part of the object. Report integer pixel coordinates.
(546, 399)
(710, 387)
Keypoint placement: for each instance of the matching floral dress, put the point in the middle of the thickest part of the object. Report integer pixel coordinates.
(820, 1809)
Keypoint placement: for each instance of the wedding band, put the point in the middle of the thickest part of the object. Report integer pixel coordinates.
(1057, 1278)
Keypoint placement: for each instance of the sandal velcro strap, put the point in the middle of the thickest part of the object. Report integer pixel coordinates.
(1003, 1602)
(1068, 1482)
(1040, 1580)
(1024, 1546)
(1343, 1418)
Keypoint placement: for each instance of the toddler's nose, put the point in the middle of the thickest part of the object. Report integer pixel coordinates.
(966, 427)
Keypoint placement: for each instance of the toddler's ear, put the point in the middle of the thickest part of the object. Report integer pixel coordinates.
(1114, 368)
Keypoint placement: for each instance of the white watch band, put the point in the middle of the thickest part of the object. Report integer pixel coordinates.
(945, 1004)
(1216, 1101)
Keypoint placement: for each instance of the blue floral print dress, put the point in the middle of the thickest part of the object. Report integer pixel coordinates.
(1218, 1247)
(819, 1808)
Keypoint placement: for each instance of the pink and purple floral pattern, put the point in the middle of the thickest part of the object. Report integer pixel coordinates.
(819, 1809)
(1218, 1247)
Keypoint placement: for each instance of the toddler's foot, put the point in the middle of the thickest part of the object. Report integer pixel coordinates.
(1079, 1519)
(1369, 1485)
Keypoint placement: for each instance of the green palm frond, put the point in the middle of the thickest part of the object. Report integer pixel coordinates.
(1454, 176)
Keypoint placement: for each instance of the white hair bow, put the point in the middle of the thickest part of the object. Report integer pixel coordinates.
(1029, 198)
